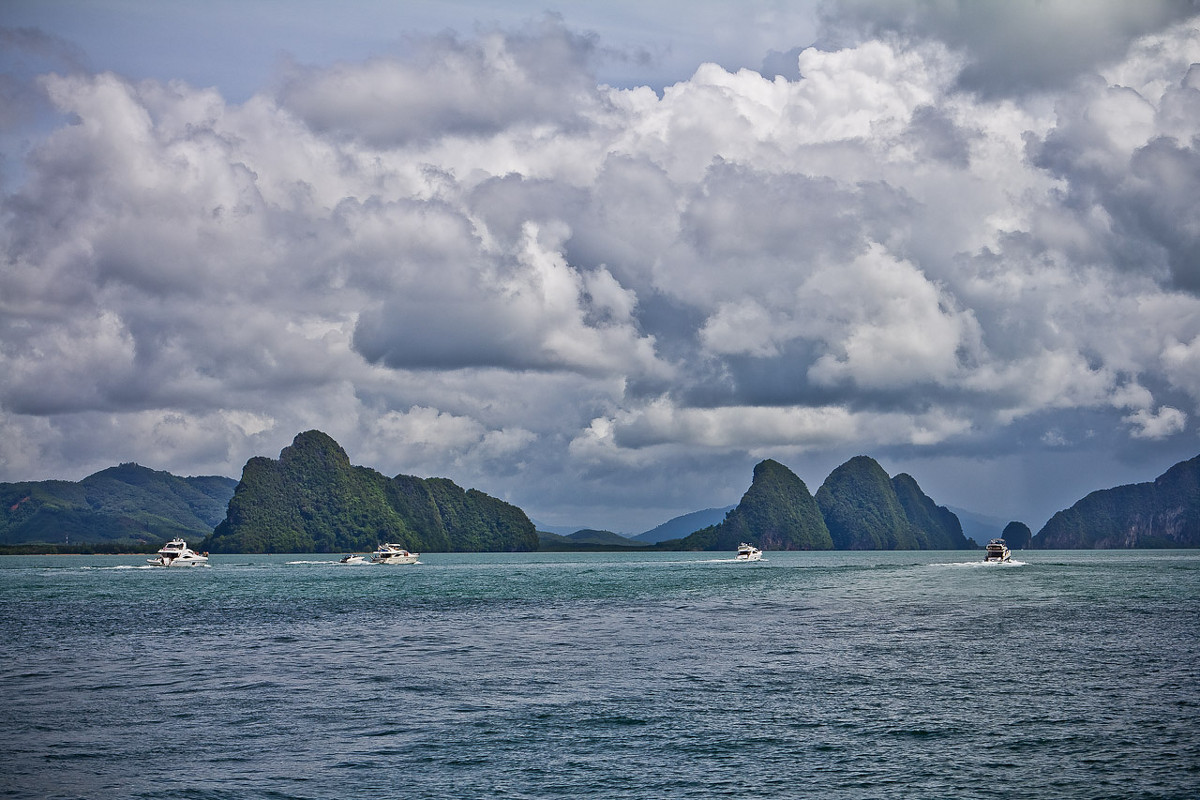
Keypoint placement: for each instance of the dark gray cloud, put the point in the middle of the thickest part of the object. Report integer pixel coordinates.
(936, 137)
(1123, 161)
(451, 86)
(1017, 46)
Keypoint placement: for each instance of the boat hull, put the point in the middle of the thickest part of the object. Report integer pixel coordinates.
(393, 554)
(178, 562)
(410, 559)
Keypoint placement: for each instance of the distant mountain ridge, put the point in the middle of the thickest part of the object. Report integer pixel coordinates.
(586, 539)
(125, 503)
(978, 527)
(678, 527)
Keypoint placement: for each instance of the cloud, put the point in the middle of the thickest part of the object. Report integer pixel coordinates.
(24, 53)
(1130, 164)
(662, 422)
(1181, 363)
(1017, 46)
(451, 87)
(532, 312)
(898, 328)
(1157, 425)
(477, 261)
(425, 436)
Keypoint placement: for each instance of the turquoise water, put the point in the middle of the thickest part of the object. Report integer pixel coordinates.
(824, 675)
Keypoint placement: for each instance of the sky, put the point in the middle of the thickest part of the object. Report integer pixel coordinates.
(600, 258)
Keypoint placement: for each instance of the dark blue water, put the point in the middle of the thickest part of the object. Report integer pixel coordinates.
(827, 675)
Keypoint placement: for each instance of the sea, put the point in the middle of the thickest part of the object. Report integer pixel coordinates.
(1072, 674)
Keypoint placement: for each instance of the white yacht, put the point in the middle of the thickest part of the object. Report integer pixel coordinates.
(997, 551)
(353, 559)
(748, 552)
(176, 553)
(393, 554)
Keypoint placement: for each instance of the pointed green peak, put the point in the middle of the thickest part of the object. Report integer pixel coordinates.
(862, 510)
(769, 468)
(315, 444)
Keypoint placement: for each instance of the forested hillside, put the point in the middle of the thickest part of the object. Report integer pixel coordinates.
(127, 503)
(1161, 513)
(857, 508)
(312, 499)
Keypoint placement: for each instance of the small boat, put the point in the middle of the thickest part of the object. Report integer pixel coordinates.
(748, 552)
(393, 554)
(176, 553)
(353, 559)
(997, 551)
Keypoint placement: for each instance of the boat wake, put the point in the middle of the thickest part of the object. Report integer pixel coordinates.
(983, 564)
(338, 563)
(133, 567)
(723, 561)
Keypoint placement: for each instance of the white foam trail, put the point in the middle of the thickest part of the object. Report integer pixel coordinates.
(722, 561)
(983, 564)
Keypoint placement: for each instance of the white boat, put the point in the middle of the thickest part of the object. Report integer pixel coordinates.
(393, 554)
(176, 553)
(353, 559)
(748, 552)
(997, 551)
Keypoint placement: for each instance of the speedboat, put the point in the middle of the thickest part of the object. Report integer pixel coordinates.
(997, 551)
(353, 559)
(748, 552)
(176, 553)
(393, 554)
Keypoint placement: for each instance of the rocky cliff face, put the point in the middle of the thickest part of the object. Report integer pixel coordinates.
(1161, 513)
(935, 527)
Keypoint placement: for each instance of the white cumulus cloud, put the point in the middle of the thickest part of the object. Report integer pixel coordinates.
(476, 259)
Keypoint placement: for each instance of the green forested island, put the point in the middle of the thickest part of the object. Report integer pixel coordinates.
(857, 508)
(312, 499)
(776, 513)
(1162, 513)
